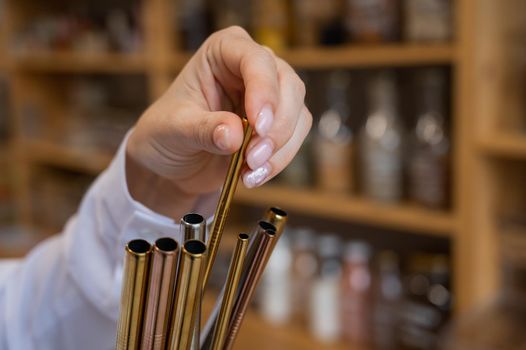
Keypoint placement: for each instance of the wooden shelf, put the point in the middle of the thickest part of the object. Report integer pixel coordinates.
(75, 62)
(49, 153)
(390, 55)
(400, 216)
(505, 145)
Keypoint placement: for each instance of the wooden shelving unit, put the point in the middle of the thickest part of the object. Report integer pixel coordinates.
(477, 58)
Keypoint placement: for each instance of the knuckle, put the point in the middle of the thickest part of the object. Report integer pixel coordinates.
(200, 132)
(236, 30)
(284, 132)
(309, 118)
(301, 89)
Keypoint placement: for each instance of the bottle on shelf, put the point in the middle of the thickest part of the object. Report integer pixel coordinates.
(232, 12)
(317, 22)
(324, 320)
(427, 20)
(333, 141)
(428, 166)
(427, 301)
(195, 23)
(373, 21)
(276, 289)
(298, 173)
(381, 143)
(387, 284)
(270, 21)
(305, 19)
(356, 305)
(304, 270)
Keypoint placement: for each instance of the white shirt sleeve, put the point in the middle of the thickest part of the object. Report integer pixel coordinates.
(65, 294)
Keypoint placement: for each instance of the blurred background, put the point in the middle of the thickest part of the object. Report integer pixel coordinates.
(407, 202)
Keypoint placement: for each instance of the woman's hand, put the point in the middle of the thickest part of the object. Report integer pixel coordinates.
(182, 143)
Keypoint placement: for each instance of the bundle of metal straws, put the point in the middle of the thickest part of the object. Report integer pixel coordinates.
(164, 283)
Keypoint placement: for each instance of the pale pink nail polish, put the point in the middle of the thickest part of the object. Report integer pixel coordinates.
(260, 154)
(264, 121)
(221, 137)
(256, 177)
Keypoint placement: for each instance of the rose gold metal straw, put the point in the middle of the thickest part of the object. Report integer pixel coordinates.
(161, 288)
(264, 241)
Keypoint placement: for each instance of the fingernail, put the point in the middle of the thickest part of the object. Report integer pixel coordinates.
(260, 153)
(256, 177)
(264, 121)
(221, 138)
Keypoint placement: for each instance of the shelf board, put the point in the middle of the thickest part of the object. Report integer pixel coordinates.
(353, 56)
(75, 62)
(404, 217)
(505, 145)
(50, 153)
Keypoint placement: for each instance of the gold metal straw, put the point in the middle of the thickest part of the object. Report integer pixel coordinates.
(136, 266)
(232, 283)
(161, 287)
(277, 217)
(223, 206)
(193, 226)
(187, 295)
(262, 248)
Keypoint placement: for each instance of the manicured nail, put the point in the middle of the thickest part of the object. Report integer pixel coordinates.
(260, 153)
(264, 121)
(256, 177)
(221, 137)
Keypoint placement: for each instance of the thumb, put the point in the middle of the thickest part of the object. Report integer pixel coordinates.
(218, 132)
